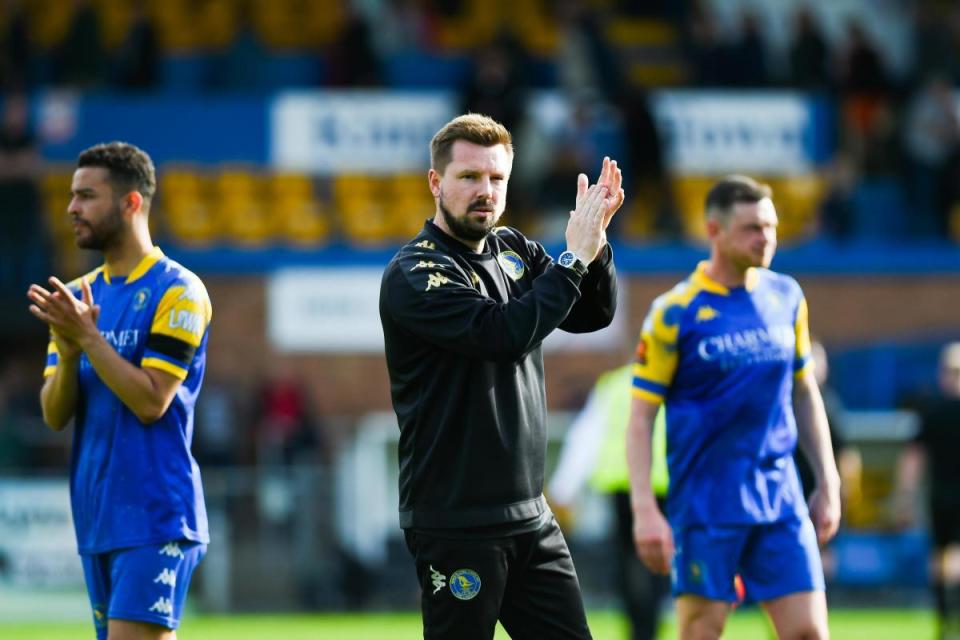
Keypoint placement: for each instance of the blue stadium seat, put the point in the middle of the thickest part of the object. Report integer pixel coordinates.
(880, 211)
(416, 70)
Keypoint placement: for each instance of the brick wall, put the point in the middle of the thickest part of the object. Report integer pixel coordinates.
(844, 311)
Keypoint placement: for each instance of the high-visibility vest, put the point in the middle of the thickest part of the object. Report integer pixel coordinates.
(610, 473)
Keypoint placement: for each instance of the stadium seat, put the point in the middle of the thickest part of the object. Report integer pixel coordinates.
(476, 25)
(184, 207)
(115, 17)
(240, 208)
(360, 208)
(798, 203)
(409, 204)
(691, 192)
(299, 217)
(533, 25)
(49, 21)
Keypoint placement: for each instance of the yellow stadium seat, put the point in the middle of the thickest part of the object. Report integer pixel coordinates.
(478, 24)
(691, 193)
(240, 208)
(115, 17)
(798, 203)
(409, 204)
(533, 24)
(49, 21)
(322, 20)
(185, 209)
(299, 217)
(175, 24)
(360, 211)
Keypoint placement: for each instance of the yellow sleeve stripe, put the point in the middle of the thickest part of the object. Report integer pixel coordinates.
(643, 394)
(156, 363)
(49, 371)
(802, 371)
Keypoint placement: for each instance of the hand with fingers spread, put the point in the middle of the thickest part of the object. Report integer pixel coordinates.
(653, 539)
(595, 206)
(72, 321)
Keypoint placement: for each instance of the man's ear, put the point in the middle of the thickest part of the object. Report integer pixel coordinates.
(433, 179)
(132, 202)
(714, 227)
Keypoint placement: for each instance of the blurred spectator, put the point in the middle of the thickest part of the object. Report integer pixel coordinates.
(746, 55)
(80, 57)
(849, 463)
(933, 49)
(137, 60)
(645, 172)
(285, 433)
(931, 141)
(216, 438)
(16, 50)
(935, 448)
(496, 86)
(239, 65)
(862, 69)
(576, 145)
(837, 215)
(594, 450)
(403, 25)
(709, 55)
(352, 57)
(587, 66)
(21, 243)
(809, 54)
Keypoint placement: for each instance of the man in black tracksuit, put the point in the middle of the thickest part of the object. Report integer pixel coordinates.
(465, 307)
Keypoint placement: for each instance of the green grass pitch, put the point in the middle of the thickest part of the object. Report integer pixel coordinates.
(880, 624)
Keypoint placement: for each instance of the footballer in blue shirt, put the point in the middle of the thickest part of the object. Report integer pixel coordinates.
(727, 351)
(125, 363)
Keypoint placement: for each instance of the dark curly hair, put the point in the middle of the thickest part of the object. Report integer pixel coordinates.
(131, 169)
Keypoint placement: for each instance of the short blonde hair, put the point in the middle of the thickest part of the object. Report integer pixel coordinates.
(471, 127)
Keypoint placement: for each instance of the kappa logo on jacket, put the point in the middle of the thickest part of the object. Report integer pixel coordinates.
(439, 580)
(435, 279)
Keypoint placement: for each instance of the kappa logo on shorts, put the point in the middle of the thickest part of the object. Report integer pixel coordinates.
(171, 549)
(464, 584)
(439, 580)
(167, 577)
(512, 264)
(162, 605)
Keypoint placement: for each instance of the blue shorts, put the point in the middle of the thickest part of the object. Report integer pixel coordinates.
(773, 560)
(142, 584)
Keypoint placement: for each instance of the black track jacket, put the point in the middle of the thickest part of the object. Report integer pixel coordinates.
(463, 333)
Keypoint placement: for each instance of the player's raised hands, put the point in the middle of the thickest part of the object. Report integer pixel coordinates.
(71, 320)
(590, 219)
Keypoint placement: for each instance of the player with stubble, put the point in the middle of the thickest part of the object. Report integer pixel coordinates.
(465, 306)
(728, 352)
(125, 364)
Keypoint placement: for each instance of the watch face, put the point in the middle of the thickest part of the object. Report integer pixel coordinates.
(566, 259)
